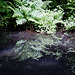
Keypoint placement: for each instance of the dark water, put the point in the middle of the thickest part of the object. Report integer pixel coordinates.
(44, 66)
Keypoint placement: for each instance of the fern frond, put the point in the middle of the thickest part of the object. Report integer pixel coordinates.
(21, 21)
(11, 4)
(19, 1)
(11, 8)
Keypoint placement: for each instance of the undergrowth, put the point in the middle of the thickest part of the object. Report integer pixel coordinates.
(32, 11)
(36, 12)
(5, 13)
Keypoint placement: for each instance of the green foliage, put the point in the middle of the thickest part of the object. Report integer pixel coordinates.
(3, 6)
(67, 5)
(69, 8)
(5, 13)
(69, 11)
(70, 5)
(32, 11)
(70, 23)
(52, 4)
(46, 4)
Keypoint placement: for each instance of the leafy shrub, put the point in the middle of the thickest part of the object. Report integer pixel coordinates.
(5, 13)
(67, 5)
(69, 12)
(32, 11)
(70, 23)
(52, 4)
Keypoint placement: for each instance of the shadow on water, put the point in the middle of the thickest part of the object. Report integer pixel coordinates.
(46, 65)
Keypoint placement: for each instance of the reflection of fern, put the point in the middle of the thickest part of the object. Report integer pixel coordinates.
(71, 60)
(34, 48)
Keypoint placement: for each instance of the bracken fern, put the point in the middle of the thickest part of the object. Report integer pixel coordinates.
(32, 11)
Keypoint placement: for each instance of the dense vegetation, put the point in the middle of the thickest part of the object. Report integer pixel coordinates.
(27, 12)
(43, 16)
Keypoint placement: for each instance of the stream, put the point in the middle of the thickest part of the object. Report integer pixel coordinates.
(46, 65)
